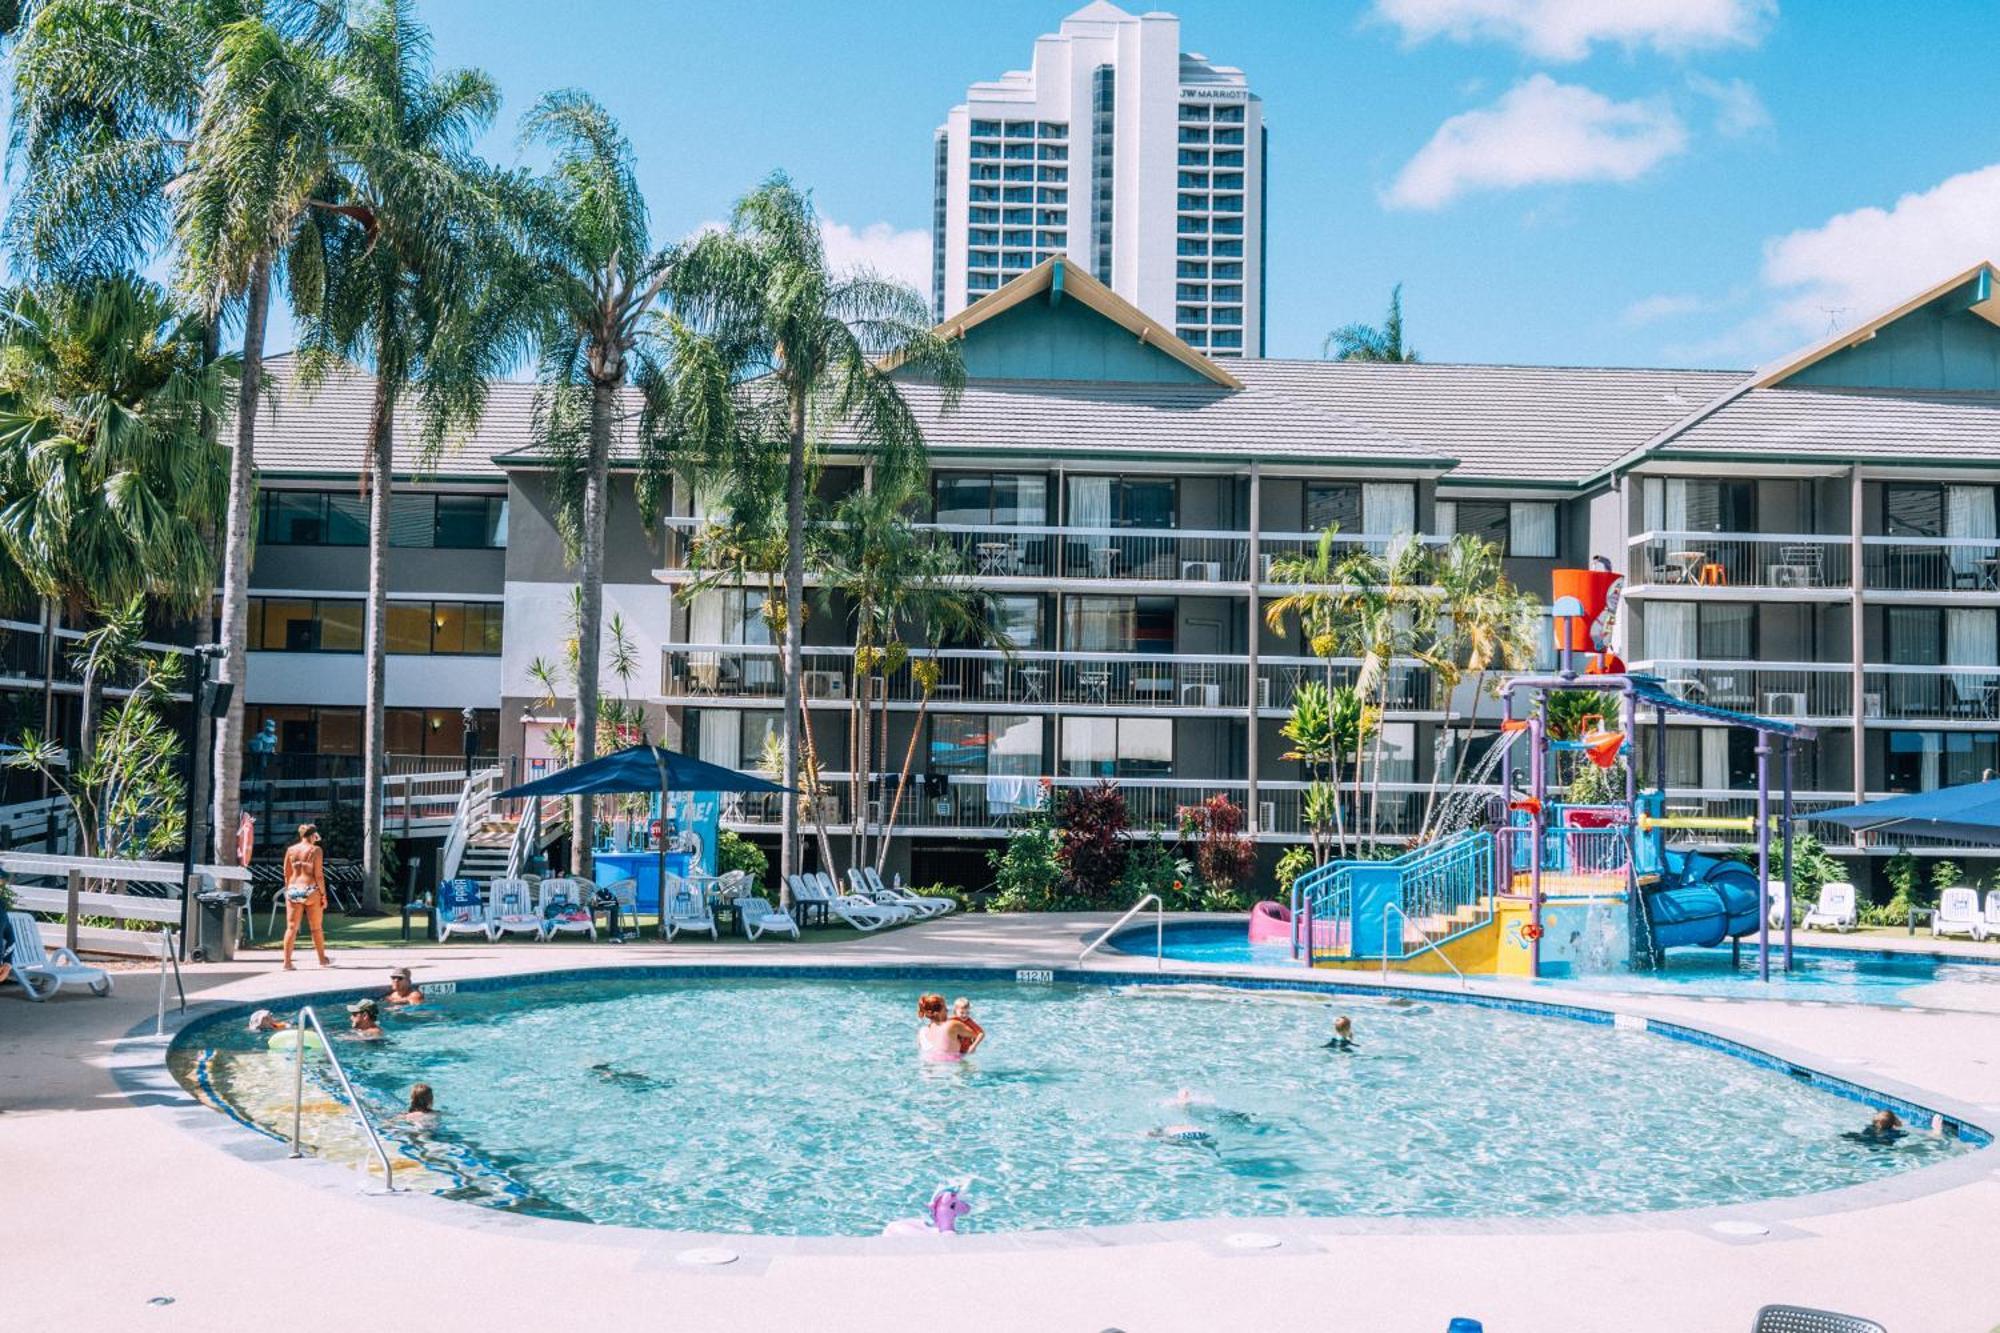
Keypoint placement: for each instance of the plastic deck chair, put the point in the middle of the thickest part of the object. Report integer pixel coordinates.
(1799, 1319)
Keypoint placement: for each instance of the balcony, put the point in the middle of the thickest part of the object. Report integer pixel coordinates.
(1931, 564)
(1791, 561)
(1807, 691)
(1931, 694)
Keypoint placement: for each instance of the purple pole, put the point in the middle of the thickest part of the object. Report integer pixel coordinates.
(1788, 854)
(1763, 856)
(1537, 825)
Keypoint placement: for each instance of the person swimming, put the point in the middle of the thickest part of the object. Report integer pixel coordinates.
(362, 1021)
(961, 1012)
(941, 1039)
(1886, 1127)
(265, 1021)
(630, 1079)
(1343, 1035)
(400, 989)
(423, 1107)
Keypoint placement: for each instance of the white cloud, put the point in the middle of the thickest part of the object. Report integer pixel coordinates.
(1541, 132)
(1567, 29)
(1739, 111)
(1859, 263)
(1666, 305)
(891, 253)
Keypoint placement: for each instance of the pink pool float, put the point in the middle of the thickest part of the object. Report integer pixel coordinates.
(1271, 924)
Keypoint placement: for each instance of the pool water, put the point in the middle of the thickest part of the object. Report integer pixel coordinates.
(1856, 976)
(798, 1107)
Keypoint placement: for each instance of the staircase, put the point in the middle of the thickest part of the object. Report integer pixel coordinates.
(1370, 910)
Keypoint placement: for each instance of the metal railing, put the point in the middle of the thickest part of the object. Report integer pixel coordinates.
(475, 799)
(1159, 934)
(1740, 560)
(527, 839)
(1931, 564)
(1784, 689)
(308, 1016)
(1931, 693)
(1422, 939)
(169, 957)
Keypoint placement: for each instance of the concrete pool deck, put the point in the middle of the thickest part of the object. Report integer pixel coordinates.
(112, 1201)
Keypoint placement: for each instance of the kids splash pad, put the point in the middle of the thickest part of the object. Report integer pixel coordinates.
(640, 1102)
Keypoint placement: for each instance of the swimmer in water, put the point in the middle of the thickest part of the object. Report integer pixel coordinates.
(1343, 1035)
(1192, 1135)
(362, 1022)
(265, 1021)
(400, 989)
(629, 1078)
(961, 1013)
(1886, 1127)
(940, 1038)
(423, 1109)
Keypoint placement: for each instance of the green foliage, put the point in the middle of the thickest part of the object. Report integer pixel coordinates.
(1027, 877)
(1156, 866)
(1591, 785)
(736, 852)
(1945, 875)
(1365, 342)
(1295, 862)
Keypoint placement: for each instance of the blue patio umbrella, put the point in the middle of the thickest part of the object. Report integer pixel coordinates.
(1967, 813)
(644, 768)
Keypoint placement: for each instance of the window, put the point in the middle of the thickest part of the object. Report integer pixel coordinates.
(321, 518)
(1118, 624)
(304, 731)
(1117, 747)
(1934, 636)
(1698, 504)
(1103, 149)
(1518, 527)
(1704, 631)
(992, 499)
(1123, 502)
(1926, 509)
(298, 625)
(1928, 760)
(1333, 504)
(1019, 618)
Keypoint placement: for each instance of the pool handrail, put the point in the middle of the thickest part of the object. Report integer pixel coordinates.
(1159, 934)
(307, 1017)
(168, 956)
(1422, 939)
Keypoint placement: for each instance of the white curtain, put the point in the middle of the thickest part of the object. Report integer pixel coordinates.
(1447, 518)
(1715, 758)
(1532, 525)
(1670, 632)
(721, 737)
(1664, 504)
(1971, 637)
(1090, 502)
(705, 617)
(1388, 508)
(1968, 512)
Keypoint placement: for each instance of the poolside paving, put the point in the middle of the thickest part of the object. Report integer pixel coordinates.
(112, 1201)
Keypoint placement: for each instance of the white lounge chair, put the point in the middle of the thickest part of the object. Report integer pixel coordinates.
(856, 912)
(1993, 911)
(923, 905)
(1958, 914)
(1835, 910)
(43, 972)
(562, 909)
(510, 911)
(686, 909)
(461, 910)
(760, 918)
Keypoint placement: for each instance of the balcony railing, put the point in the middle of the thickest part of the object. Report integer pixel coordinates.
(1931, 564)
(1783, 689)
(1740, 560)
(1932, 693)
(990, 679)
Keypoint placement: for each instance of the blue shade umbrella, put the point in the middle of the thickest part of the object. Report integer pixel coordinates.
(644, 768)
(1968, 813)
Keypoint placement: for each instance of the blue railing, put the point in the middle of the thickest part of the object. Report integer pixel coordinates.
(1339, 910)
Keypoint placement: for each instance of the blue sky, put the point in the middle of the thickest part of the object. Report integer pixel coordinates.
(1565, 181)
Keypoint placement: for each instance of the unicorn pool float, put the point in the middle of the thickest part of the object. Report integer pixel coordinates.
(947, 1205)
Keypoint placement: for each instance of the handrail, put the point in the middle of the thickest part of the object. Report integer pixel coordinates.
(473, 800)
(1421, 939)
(1160, 934)
(306, 1015)
(527, 836)
(168, 954)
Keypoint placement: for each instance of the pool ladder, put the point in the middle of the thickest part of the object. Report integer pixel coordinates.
(308, 1017)
(1159, 933)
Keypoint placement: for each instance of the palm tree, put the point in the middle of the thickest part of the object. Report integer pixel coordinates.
(257, 177)
(1314, 603)
(825, 343)
(1365, 342)
(407, 289)
(108, 473)
(590, 256)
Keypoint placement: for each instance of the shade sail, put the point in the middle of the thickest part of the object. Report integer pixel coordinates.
(642, 768)
(1969, 813)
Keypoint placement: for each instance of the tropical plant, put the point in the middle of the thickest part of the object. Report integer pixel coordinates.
(1365, 342)
(1295, 862)
(733, 851)
(1223, 857)
(1027, 877)
(1326, 727)
(824, 343)
(409, 289)
(1093, 846)
(1154, 865)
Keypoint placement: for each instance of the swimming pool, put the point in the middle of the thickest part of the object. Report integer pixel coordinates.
(796, 1107)
(1871, 976)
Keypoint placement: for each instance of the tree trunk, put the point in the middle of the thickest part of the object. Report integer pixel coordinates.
(857, 766)
(88, 708)
(228, 764)
(819, 790)
(879, 852)
(596, 484)
(374, 763)
(902, 781)
(795, 579)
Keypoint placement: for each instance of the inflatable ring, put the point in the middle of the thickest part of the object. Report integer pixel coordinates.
(289, 1039)
(1531, 932)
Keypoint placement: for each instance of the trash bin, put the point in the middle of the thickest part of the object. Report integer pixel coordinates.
(218, 920)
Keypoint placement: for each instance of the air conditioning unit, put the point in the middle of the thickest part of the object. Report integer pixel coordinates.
(826, 685)
(1784, 703)
(1263, 691)
(1267, 816)
(1201, 695)
(1871, 704)
(1201, 571)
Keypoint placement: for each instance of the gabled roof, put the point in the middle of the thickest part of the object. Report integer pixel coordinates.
(1055, 279)
(1985, 303)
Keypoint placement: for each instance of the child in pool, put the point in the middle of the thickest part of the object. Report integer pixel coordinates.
(961, 1009)
(1343, 1035)
(423, 1109)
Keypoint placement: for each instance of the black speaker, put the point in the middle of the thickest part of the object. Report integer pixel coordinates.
(219, 694)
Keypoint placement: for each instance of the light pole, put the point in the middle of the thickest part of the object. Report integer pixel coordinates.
(211, 701)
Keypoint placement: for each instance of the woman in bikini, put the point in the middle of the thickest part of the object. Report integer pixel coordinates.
(305, 893)
(939, 1038)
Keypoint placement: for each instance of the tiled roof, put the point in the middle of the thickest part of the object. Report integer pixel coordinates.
(1841, 424)
(1547, 425)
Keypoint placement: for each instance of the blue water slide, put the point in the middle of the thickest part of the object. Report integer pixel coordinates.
(1702, 900)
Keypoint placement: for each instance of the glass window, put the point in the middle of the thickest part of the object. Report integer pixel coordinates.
(1927, 760)
(294, 518)
(413, 520)
(1131, 747)
(288, 627)
(471, 522)
(1100, 624)
(1019, 618)
(346, 520)
(1488, 520)
(339, 731)
(341, 626)
(448, 627)
(1331, 504)
(1532, 529)
(1728, 631)
(1913, 509)
(409, 626)
(403, 730)
(1123, 502)
(958, 743)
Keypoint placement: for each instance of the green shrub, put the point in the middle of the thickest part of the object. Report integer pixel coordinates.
(736, 852)
(1155, 866)
(1027, 877)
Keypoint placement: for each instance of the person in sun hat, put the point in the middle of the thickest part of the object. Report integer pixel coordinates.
(266, 1021)
(363, 1022)
(400, 989)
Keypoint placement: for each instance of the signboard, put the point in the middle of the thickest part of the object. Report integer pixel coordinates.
(697, 817)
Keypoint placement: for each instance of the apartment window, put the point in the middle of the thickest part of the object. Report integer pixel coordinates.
(1928, 760)
(1927, 509)
(318, 518)
(1698, 504)
(1228, 270)
(1229, 115)
(1188, 269)
(986, 745)
(1231, 248)
(1230, 293)
(1018, 618)
(312, 518)
(1332, 505)
(1231, 315)
(992, 499)
(1228, 338)
(732, 738)
(1118, 625)
(1940, 636)
(1117, 747)
(1194, 111)
(1103, 165)
(1518, 527)
(1186, 246)
(1701, 631)
(328, 625)
(1376, 509)
(1123, 502)
(337, 731)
